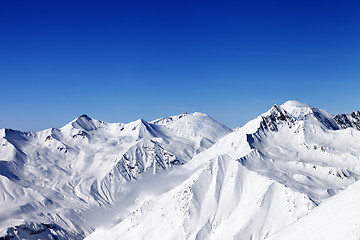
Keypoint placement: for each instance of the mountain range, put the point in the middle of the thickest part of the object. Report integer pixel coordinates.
(290, 173)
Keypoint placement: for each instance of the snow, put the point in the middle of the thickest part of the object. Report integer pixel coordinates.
(195, 125)
(283, 175)
(252, 182)
(208, 205)
(55, 175)
(336, 218)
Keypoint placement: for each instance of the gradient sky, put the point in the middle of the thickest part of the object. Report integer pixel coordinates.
(118, 61)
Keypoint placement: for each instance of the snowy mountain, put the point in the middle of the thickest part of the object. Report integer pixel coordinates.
(54, 175)
(182, 177)
(196, 125)
(252, 183)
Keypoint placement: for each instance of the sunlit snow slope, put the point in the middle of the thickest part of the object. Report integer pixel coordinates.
(337, 218)
(252, 183)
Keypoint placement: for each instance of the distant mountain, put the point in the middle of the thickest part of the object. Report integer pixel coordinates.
(195, 125)
(182, 177)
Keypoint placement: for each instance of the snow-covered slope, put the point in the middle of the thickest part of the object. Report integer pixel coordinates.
(250, 184)
(54, 175)
(337, 218)
(197, 125)
(220, 200)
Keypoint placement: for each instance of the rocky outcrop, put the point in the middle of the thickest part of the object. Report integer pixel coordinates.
(348, 120)
(277, 116)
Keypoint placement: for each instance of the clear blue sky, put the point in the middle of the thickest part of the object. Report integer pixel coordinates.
(118, 61)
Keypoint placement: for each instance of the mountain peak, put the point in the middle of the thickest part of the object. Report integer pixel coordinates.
(199, 114)
(142, 128)
(301, 111)
(294, 103)
(84, 122)
(194, 125)
(275, 116)
(84, 116)
(297, 109)
(139, 122)
(142, 121)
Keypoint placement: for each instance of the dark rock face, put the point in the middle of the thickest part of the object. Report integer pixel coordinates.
(277, 116)
(33, 230)
(86, 117)
(81, 133)
(348, 120)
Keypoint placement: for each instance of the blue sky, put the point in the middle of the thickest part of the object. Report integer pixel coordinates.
(118, 61)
